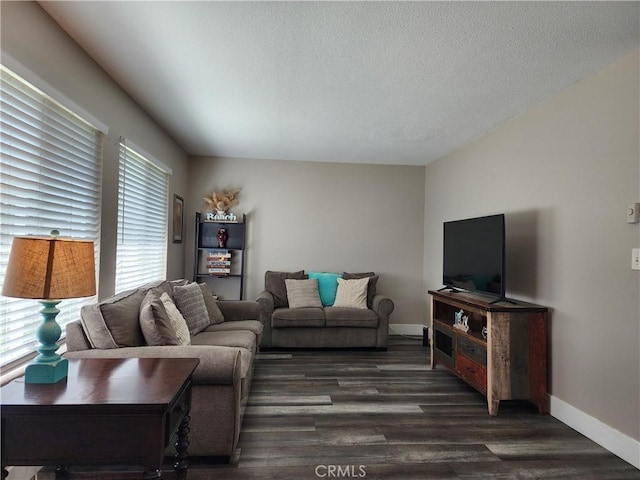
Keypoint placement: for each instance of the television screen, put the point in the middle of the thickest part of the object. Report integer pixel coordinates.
(474, 253)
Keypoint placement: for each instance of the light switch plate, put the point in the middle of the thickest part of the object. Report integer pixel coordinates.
(633, 212)
(635, 258)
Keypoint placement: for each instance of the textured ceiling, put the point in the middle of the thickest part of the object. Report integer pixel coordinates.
(384, 82)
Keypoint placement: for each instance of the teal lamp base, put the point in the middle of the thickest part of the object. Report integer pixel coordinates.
(48, 367)
(47, 372)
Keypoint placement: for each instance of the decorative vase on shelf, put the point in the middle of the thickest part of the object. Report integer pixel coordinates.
(222, 237)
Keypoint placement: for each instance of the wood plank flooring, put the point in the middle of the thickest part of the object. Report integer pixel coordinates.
(388, 416)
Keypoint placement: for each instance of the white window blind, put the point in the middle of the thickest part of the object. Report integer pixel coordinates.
(50, 177)
(142, 221)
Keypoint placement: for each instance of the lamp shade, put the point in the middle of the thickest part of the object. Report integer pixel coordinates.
(50, 268)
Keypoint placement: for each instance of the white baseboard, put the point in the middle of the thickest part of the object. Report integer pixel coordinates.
(613, 440)
(406, 329)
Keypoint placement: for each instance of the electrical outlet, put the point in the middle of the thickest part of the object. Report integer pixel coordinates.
(635, 258)
(633, 212)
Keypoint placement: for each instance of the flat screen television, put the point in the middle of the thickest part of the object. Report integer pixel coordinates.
(474, 255)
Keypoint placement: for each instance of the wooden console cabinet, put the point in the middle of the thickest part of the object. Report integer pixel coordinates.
(510, 364)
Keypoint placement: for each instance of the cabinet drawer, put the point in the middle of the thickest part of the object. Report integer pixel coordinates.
(475, 351)
(472, 372)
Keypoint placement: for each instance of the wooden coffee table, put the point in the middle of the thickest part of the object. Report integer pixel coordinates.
(107, 412)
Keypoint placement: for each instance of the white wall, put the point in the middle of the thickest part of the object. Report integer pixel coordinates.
(325, 217)
(563, 173)
(31, 38)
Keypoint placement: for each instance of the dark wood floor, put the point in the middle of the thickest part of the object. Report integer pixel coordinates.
(388, 416)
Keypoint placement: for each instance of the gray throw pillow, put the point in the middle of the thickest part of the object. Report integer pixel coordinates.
(210, 302)
(154, 320)
(303, 293)
(274, 284)
(371, 289)
(190, 302)
(121, 316)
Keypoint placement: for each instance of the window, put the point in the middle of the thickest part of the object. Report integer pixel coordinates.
(142, 220)
(50, 177)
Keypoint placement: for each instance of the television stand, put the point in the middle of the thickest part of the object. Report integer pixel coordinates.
(450, 289)
(503, 299)
(510, 364)
(457, 290)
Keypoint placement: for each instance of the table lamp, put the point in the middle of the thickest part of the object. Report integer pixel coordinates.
(49, 269)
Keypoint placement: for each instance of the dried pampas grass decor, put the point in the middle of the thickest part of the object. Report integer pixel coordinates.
(223, 201)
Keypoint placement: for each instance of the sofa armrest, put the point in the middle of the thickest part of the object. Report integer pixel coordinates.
(235, 310)
(75, 337)
(382, 305)
(265, 300)
(266, 303)
(218, 365)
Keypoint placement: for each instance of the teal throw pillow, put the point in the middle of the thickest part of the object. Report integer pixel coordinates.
(327, 286)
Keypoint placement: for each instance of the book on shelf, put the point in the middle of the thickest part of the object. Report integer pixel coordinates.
(218, 263)
(219, 270)
(218, 252)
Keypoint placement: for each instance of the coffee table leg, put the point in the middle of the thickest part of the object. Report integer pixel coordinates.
(182, 444)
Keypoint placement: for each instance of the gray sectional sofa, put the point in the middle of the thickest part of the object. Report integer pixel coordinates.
(323, 326)
(225, 339)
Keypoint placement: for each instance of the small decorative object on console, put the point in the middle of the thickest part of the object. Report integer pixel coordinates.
(461, 321)
(222, 237)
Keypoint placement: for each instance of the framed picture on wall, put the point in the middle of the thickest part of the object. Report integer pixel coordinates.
(178, 221)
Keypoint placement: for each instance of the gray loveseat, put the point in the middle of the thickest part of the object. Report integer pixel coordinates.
(322, 326)
(226, 344)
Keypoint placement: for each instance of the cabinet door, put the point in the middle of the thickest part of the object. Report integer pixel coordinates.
(443, 344)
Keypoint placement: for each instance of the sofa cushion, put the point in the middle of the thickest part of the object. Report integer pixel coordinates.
(215, 315)
(371, 288)
(352, 293)
(96, 331)
(177, 320)
(121, 316)
(298, 317)
(274, 284)
(327, 285)
(351, 317)
(254, 326)
(230, 338)
(190, 302)
(302, 293)
(154, 321)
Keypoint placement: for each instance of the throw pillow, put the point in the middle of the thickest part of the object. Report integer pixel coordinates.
(371, 289)
(121, 315)
(154, 320)
(190, 302)
(177, 320)
(274, 284)
(214, 312)
(303, 293)
(352, 293)
(327, 285)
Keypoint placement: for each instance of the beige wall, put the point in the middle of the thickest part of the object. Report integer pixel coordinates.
(563, 173)
(36, 42)
(326, 217)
